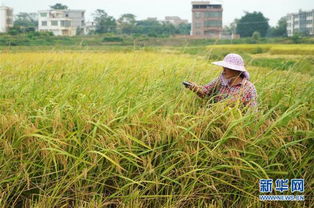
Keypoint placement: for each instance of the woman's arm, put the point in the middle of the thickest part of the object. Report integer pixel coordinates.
(199, 90)
(207, 89)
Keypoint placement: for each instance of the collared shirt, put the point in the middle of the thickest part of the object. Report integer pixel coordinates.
(220, 89)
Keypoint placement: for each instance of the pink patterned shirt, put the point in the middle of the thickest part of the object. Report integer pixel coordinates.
(220, 89)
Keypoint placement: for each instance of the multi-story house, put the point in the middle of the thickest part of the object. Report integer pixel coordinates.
(61, 22)
(301, 22)
(206, 19)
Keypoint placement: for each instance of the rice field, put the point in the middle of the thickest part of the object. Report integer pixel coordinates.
(118, 129)
(288, 49)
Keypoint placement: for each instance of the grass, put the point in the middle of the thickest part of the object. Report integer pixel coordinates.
(85, 129)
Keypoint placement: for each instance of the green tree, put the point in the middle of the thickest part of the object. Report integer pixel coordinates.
(127, 23)
(149, 27)
(252, 22)
(168, 29)
(282, 27)
(154, 28)
(280, 30)
(59, 6)
(104, 22)
(183, 29)
(296, 38)
(26, 22)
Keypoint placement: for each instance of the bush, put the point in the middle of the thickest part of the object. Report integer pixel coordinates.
(256, 36)
(112, 39)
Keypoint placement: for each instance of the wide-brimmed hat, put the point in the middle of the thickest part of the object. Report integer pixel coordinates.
(232, 61)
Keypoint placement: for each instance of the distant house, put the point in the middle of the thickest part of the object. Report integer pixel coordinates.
(301, 22)
(175, 20)
(61, 22)
(6, 18)
(152, 19)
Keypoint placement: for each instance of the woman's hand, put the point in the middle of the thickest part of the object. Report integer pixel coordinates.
(197, 89)
(193, 86)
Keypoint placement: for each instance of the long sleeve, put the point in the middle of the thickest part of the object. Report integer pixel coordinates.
(250, 97)
(209, 88)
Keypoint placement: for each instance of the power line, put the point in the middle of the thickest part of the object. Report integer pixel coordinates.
(251, 22)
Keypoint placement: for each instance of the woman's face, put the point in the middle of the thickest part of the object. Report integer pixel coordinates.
(229, 73)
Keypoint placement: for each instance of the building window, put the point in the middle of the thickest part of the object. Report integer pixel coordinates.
(197, 25)
(82, 23)
(82, 14)
(197, 15)
(54, 23)
(210, 6)
(213, 14)
(213, 24)
(43, 14)
(9, 21)
(65, 23)
(44, 23)
(9, 12)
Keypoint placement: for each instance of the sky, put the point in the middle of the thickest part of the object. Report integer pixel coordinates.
(272, 9)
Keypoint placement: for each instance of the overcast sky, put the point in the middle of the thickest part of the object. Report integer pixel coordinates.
(272, 9)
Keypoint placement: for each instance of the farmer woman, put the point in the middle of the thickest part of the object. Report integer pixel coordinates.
(232, 83)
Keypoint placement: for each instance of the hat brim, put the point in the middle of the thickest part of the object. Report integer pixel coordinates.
(229, 66)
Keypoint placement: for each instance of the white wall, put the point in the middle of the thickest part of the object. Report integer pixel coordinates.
(3, 19)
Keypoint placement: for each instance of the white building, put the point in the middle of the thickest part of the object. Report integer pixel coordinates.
(301, 22)
(90, 27)
(61, 22)
(6, 18)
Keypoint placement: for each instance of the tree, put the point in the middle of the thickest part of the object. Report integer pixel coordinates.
(168, 28)
(127, 23)
(184, 29)
(152, 27)
(59, 6)
(104, 22)
(252, 22)
(282, 27)
(26, 21)
(148, 27)
(280, 30)
(231, 28)
(296, 38)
